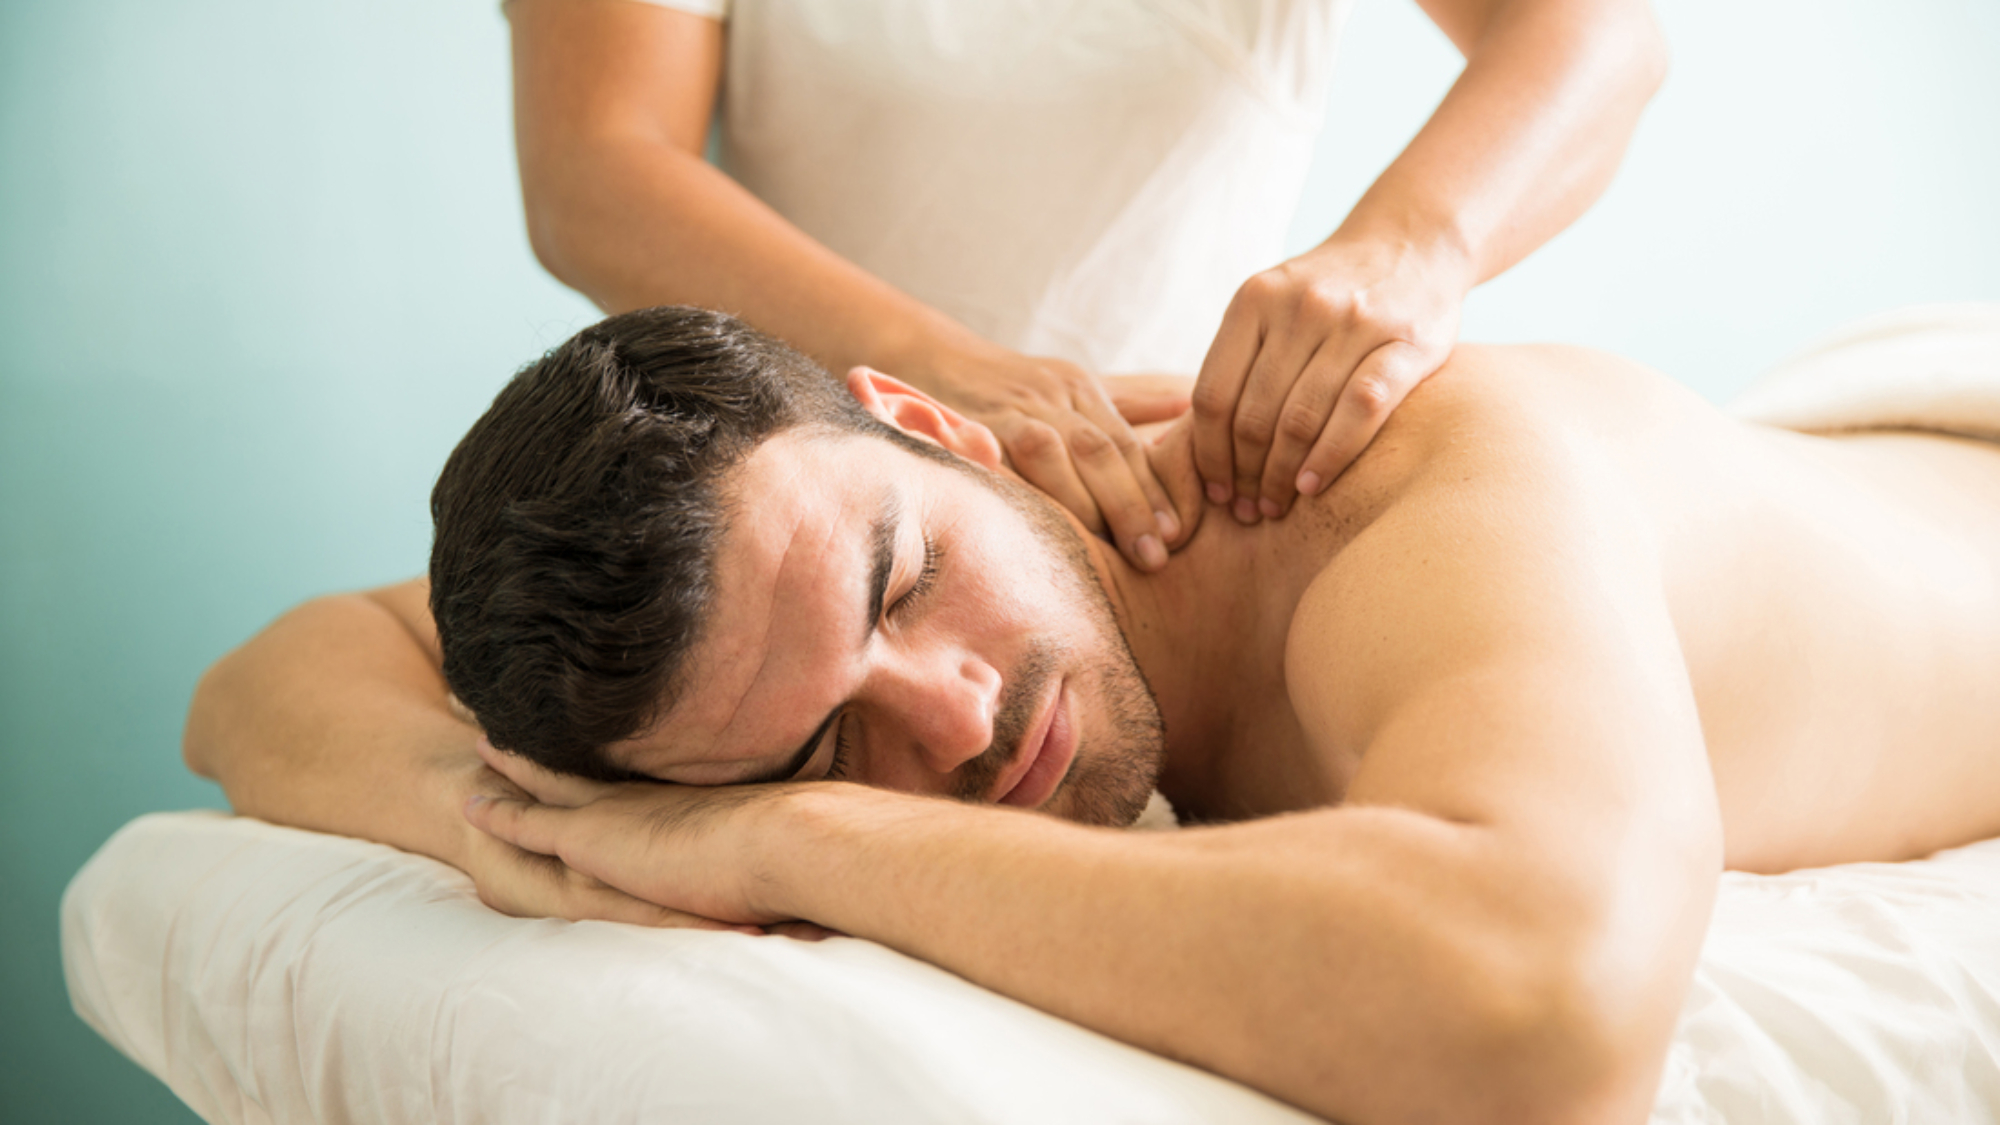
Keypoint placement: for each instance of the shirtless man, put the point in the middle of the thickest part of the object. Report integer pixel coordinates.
(1559, 647)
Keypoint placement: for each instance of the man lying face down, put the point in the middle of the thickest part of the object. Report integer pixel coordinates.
(1468, 737)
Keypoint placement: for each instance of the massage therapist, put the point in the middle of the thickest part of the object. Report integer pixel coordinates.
(1003, 202)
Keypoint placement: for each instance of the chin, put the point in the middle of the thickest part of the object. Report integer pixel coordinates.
(1109, 790)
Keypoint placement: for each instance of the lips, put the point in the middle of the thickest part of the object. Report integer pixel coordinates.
(1045, 756)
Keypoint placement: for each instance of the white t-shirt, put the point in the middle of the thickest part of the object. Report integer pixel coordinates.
(1090, 179)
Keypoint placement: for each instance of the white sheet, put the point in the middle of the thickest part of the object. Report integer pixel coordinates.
(273, 975)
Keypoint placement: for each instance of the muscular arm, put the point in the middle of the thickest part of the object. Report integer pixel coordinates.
(336, 718)
(1498, 926)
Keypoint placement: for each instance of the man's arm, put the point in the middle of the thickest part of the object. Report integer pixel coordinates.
(336, 718)
(1499, 925)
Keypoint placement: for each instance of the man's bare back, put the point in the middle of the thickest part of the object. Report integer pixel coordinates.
(1836, 600)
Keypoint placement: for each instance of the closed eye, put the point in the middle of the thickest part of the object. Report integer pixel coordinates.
(837, 768)
(925, 583)
(926, 578)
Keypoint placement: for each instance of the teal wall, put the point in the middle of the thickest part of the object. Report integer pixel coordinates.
(260, 263)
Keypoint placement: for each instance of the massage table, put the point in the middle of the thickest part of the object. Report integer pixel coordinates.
(267, 974)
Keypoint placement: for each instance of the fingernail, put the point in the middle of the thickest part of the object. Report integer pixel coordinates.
(1269, 507)
(1217, 493)
(1151, 554)
(1308, 483)
(1244, 510)
(475, 801)
(1170, 525)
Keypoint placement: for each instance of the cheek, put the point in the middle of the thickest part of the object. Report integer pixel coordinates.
(1008, 583)
(1004, 603)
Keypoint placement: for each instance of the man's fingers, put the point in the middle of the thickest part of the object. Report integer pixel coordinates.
(607, 904)
(544, 785)
(1374, 391)
(1216, 391)
(581, 898)
(543, 830)
(541, 886)
(524, 824)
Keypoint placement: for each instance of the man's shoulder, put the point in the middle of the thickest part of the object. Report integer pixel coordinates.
(1494, 494)
(1490, 406)
(1516, 427)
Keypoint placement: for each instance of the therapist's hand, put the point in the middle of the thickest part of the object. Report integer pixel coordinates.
(1062, 431)
(1146, 399)
(1312, 357)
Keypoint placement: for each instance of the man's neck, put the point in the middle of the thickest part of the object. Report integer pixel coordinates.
(1206, 631)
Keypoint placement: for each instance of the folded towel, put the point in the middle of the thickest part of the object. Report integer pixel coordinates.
(1927, 367)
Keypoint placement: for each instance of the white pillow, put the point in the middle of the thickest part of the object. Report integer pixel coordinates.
(272, 975)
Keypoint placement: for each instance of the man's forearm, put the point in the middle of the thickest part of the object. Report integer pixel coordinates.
(334, 719)
(1371, 965)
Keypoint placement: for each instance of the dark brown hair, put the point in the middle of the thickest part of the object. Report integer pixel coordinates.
(577, 522)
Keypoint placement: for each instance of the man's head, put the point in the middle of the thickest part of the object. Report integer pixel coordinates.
(676, 548)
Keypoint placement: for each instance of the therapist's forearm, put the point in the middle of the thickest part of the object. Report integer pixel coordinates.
(1369, 965)
(1528, 137)
(632, 221)
(612, 110)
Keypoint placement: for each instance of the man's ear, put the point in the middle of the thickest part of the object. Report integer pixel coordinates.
(914, 412)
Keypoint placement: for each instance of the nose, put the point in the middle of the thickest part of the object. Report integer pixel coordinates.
(947, 703)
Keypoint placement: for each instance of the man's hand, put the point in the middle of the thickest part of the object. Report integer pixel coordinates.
(683, 851)
(1312, 357)
(1063, 432)
(533, 883)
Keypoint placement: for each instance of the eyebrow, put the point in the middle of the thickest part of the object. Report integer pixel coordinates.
(882, 558)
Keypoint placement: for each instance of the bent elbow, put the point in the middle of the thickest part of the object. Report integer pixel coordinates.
(556, 203)
(1564, 1047)
(547, 232)
(201, 734)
